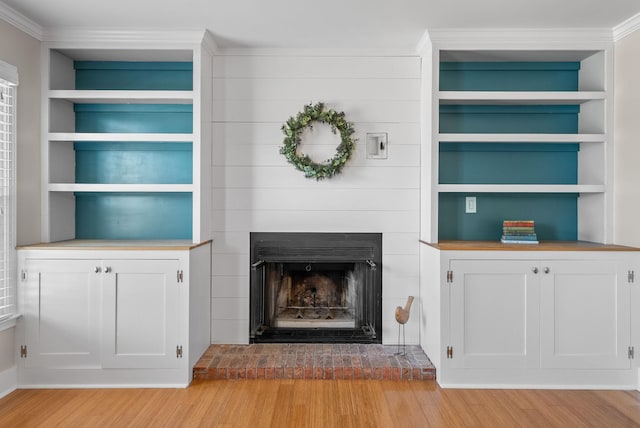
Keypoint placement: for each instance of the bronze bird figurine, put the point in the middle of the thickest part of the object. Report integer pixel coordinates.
(402, 315)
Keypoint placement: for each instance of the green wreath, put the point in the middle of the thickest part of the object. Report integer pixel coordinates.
(293, 129)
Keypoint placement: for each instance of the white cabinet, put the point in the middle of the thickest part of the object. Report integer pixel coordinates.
(585, 314)
(99, 316)
(61, 313)
(108, 313)
(493, 316)
(531, 318)
(141, 313)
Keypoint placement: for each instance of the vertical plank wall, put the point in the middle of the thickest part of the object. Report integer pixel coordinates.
(256, 190)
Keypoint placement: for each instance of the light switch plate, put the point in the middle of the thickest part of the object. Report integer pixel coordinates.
(377, 145)
(470, 204)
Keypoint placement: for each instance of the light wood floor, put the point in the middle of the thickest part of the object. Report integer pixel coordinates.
(317, 403)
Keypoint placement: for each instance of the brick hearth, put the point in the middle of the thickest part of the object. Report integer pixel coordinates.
(313, 361)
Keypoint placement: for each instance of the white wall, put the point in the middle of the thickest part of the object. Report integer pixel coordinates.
(255, 189)
(23, 51)
(627, 140)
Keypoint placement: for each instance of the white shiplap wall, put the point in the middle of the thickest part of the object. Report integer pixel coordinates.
(255, 189)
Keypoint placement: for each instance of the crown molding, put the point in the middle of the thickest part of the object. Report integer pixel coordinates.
(130, 37)
(522, 38)
(424, 44)
(20, 21)
(626, 28)
(316, 52)
(209, 42)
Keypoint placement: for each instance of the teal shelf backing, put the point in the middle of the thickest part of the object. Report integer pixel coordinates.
(482, 119)
(134, 163)
(509, 76)
(555, 215)
(133, 215)
(134, 118)
(508, 163)
(123, 75)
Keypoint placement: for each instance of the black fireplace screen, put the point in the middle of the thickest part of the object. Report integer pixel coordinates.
(316, 287)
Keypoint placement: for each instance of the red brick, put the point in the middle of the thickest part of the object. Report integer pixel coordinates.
(358, 373)
(338, 373)
(328, 373)
(395, 373)
(232, 373)
(347, 372)
(251, 373)
(278, 373)
(312, 361)
(242, 372)
(269, 373)
(221, 373)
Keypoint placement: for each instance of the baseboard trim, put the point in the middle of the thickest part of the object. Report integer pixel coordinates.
(105, 386)
(535, 386)
(8, 381)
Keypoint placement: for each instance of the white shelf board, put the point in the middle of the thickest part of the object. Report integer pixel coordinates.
(161, 188)
(122, 97)
(518, 97)
(521, 138)
(126, 137)
(521, 188)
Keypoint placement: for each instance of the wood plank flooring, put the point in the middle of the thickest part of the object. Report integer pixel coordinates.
(318, 403)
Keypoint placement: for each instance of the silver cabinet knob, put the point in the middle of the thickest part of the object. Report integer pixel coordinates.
(107, 269)
(547, 270)
(534, 270)
(97, 269)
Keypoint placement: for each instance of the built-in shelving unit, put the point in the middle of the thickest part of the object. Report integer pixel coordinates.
(525, 131)
(126, 143)
(522, 122)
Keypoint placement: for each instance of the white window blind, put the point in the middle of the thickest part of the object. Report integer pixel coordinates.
(8, 82)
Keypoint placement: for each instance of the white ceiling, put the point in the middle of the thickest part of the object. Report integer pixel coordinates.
(349, 24)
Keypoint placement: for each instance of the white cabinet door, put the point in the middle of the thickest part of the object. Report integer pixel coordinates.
(584, 315)
(141, 314)
(493, 314)
(61, 313)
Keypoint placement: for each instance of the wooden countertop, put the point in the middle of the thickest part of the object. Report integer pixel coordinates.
(542, 246)
(108, 244)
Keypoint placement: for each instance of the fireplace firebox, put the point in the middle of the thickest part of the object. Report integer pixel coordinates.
(316, 287)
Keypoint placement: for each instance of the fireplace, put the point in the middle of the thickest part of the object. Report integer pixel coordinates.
(316, 287)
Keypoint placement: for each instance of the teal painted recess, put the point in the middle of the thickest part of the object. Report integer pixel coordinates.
(482, 119)
(509, 76)
(133, 215)
(508, 163)
(134, 75)
(133, 162)
(555, 215)
(121, 215)
(134, 118)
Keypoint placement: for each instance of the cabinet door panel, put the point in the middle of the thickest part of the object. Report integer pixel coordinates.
(493, 314)
(61, 313)
(584, 315)
(141, 313)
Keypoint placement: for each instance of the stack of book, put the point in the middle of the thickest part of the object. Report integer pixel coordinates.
(519, 232)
